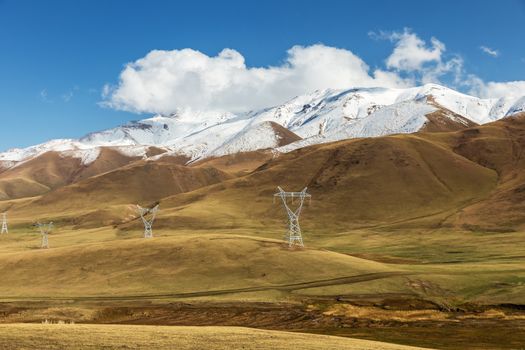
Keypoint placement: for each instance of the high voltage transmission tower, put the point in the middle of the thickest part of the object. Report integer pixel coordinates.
(148, 223)
(293, 236)
(4, 223)
(45, 229)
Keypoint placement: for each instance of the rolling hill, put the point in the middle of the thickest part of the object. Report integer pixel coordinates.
(425, 179)
(316, 118)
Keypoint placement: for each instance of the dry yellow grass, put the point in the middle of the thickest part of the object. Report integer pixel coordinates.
(190, 263)
(113, 337)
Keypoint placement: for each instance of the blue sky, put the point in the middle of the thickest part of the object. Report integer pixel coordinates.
(57, 56)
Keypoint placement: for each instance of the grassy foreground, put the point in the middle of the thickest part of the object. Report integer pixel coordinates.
(68, 336)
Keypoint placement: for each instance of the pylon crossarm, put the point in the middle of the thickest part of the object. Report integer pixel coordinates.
(292, 194)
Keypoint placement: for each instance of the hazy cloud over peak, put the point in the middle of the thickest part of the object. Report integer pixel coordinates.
(166, 81)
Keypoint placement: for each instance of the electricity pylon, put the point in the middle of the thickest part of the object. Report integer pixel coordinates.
(293, 236)
(4, 224)
(45, 229)
(148, 223)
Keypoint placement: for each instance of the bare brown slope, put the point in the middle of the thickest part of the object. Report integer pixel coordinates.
(499, 146)
(238, 163)
(354, 183)
(141, 182)
(52, 170)
(284, 135)
(108, 160)
(443, 120)
(38, 175)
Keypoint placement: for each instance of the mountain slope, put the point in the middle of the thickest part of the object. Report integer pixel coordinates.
(142, 181)
(190, 137)
(52, 170)
(499, 146)
(354, 183)
(323, 115)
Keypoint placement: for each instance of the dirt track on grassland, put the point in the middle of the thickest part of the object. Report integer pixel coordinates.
(283, 287)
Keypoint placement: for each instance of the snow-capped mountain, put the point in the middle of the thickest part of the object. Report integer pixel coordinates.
(517, 107)
(319, 117)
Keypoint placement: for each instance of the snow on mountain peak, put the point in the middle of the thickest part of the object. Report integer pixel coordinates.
(517, 107)
(321, 116)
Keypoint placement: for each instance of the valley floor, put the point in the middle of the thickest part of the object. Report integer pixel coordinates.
(466, 330)
(412, 289)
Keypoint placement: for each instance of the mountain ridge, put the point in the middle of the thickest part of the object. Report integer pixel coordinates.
(321, 116)
(425, 179)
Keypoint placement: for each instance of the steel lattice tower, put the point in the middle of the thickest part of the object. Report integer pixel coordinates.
(293, 236)
(4, 223)
(148, 232)
(45, 229)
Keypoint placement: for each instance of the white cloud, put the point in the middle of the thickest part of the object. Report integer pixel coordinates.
(167, 81)
(425, 62)
(492, 89)
(489, 51)
(164, 81)
(411, 53)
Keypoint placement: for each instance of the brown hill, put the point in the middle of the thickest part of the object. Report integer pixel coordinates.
(498, 146)
(470, 178)
(51, 170)
(37, 176)
(354, 183)
(88, 202)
